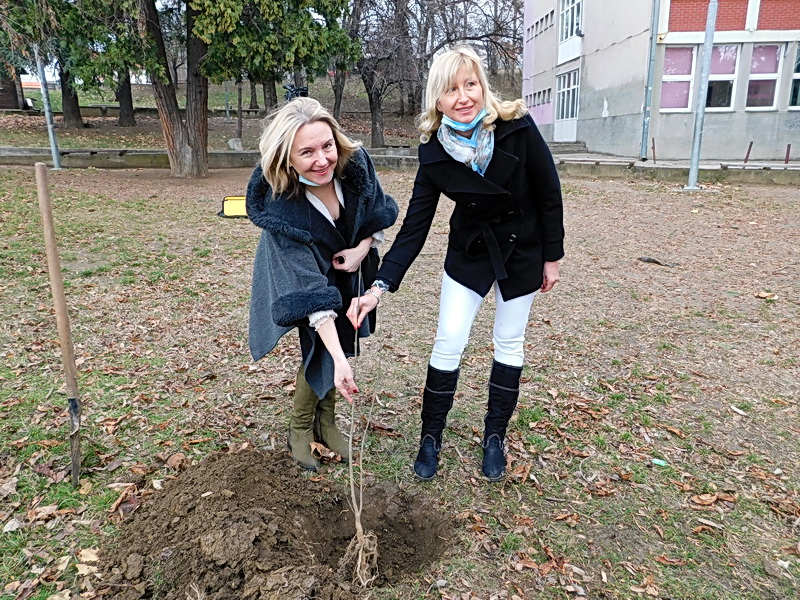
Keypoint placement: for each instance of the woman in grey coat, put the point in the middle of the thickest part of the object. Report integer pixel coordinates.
(322, 211)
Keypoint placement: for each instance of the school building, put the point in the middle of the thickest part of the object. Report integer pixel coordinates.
(622, 76)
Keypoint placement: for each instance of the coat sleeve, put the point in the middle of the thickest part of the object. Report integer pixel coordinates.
(288, 283)
(546, 187)
(381, 210)
(414, 231)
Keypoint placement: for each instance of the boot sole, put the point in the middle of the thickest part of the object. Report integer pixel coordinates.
(313, 468)
(494, 479)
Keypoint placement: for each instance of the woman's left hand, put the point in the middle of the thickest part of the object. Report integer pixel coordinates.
(350, 259)
(343, 379)
(550, 276)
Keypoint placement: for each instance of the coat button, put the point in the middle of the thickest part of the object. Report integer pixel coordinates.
(472, 205)
(512, 237)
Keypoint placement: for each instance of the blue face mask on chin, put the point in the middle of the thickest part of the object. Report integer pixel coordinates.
(464, 126)
(307, 181)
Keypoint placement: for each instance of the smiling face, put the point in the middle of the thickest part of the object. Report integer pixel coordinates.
(463, 98)
(314, 154)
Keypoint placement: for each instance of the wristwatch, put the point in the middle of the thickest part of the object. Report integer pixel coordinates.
(372, 292)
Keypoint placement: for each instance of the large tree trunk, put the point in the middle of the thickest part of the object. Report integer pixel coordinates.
(270, 96)
(253, 95)
(125, 98)
(339, 79)
(186, 144)
(70, 108)
(196, 91)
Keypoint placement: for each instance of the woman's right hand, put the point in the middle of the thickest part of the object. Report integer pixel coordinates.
(360, 307)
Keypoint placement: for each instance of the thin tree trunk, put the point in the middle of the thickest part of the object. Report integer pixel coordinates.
(270, 96)
(253, 95)
(125, 97)
(70, 108)
(239, 103)
(375, 97)
(339, 79)
(17, 86)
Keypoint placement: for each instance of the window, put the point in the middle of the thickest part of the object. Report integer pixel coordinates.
(676, 89)
(567, 88)
(570, 19)
(794, 96)
(764, 69)
(722, 78)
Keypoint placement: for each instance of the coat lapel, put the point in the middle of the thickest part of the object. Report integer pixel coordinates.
(499, 171)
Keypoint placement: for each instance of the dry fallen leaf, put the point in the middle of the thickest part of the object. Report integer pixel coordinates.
(704, 499)
(88, 555)
(673, 562)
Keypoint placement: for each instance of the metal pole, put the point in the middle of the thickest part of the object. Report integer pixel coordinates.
(651, 69)
(700, 107)
(48, 111)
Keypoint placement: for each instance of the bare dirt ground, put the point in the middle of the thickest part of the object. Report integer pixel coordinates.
(654, 451)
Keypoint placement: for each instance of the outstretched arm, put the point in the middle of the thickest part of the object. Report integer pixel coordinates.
(342, 372)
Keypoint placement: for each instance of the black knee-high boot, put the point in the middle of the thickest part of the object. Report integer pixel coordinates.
(503, 394)
(437, 400)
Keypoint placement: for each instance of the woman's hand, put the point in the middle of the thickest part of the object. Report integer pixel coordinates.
(349, 260)
(550, 275)
(343, 379)
(360, 307)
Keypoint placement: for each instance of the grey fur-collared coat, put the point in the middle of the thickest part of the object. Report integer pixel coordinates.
(293, 274)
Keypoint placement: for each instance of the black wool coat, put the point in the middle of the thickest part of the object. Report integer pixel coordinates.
(293, 274)
(504, 225)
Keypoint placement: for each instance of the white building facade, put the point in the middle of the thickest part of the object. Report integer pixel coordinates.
(622, 76)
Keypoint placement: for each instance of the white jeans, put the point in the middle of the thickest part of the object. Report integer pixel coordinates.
(458, 306)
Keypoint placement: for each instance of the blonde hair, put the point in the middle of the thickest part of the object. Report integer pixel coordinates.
(443, 72)
(276, 141)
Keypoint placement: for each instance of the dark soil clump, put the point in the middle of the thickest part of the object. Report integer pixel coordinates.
(249, 525)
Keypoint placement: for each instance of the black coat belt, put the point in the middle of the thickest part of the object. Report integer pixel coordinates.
(492, 246)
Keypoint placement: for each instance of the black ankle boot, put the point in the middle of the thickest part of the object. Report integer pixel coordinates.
(503, 394)
(437, 400)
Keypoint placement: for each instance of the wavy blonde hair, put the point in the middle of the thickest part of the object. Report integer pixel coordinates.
(280, 128)
(443, 72)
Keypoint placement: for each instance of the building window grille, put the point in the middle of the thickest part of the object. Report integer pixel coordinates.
(567, 89)
(764, 69)
(722, 78)
(570, 19)
(794, 95)
(676, 88)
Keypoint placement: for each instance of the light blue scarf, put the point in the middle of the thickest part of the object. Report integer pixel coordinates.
(475, 151)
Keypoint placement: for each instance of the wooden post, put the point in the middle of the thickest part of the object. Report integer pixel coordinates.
(788, 152)
(654, 150)
(62, 322)
(749, 147)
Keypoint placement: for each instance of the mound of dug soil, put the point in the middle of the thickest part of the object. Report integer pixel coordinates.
(251, 526)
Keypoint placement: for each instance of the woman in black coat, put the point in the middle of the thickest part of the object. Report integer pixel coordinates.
(506, 233)
(322, 211)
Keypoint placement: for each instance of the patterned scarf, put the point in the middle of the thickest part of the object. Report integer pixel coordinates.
(475, 151)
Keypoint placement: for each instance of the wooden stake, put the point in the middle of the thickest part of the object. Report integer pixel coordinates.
(62, 321)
